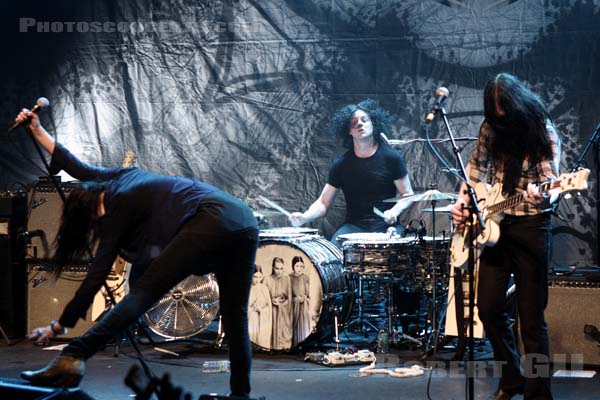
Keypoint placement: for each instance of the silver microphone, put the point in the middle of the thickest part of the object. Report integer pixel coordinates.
(441, 94)
(41, 103)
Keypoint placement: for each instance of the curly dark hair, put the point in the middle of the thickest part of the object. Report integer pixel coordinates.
(339, 123)
(517, 117)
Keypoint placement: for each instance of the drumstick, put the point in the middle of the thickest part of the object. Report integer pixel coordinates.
(408, 200)
(275, 206)
(378, 212)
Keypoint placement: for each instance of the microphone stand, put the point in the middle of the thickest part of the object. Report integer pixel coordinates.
(593, 141)
(61, 193)
(474, 211)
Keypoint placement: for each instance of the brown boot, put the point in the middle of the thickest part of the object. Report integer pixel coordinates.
(62, 371)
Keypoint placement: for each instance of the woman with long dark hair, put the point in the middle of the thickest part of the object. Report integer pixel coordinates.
(519, 148)
(169, 228)
(368, 173)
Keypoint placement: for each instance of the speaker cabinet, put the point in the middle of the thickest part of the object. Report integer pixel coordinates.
(572, 305)
(47, 296)
(13, 274)
(44, 220)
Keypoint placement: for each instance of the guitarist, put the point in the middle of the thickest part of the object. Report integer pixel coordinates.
(519, 148)
(171, 227)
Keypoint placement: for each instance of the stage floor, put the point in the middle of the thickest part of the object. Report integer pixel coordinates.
(287, 376)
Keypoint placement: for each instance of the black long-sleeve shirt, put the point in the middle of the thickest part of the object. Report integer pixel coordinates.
(143, 212)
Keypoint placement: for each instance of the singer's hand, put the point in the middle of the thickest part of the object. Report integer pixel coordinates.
(297, 219)
(41, 336)
(31, 119)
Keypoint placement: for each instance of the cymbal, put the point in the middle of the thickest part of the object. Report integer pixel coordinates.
(429, 195)
(441, 210)
(436, 195)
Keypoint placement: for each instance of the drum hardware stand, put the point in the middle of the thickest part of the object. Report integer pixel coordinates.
(396, 335)
(361, 319)
(337, 331)
(474, 211)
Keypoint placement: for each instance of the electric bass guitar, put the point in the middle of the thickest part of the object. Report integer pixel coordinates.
(493, 204)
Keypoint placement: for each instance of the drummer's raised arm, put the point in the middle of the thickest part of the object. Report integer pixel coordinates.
(403, 186)
(317, 209)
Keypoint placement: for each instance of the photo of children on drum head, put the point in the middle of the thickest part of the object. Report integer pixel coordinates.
(300, 301)
(295, 294)
(259, 310)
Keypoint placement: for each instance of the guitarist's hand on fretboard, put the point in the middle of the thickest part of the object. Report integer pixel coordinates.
(533, 196)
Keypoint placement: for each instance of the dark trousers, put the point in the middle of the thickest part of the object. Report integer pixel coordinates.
(204, 244)
(523, 250)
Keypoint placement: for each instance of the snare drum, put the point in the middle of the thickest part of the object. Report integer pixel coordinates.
(374, 253)
(287, 232)
(303, 286)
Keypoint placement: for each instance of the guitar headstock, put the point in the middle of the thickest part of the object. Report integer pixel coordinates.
(128, 159)
(572, 181)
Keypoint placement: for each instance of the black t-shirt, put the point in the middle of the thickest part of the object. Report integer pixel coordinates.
(366, 182)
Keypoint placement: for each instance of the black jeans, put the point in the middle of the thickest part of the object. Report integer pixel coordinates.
(523, 250)
(204, 244)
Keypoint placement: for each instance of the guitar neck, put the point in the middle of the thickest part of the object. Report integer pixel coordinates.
(514, 200)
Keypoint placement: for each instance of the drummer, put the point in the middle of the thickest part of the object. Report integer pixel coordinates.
(369, 172)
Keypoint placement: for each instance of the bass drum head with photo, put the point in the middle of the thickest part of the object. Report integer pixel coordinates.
(293, 277)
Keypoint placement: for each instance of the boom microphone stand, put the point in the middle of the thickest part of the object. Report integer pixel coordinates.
(61, 193)
(472, 234)
(593, 141)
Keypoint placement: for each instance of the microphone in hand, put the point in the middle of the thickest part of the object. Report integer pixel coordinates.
(41, 103)
(441, 94)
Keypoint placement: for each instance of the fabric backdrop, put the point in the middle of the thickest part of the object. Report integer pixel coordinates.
(237, 93)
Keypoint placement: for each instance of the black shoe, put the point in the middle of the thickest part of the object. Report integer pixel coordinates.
(64, 371)
(502, 394)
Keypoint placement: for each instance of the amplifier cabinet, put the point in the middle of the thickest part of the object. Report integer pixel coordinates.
(48, 295)
(571, 306)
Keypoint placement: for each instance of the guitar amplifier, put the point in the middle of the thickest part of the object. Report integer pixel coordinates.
(44, 219)
(47, 295)
(573, 302)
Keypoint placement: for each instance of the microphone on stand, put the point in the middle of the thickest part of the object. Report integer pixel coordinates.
(441, 94)
(41, 103)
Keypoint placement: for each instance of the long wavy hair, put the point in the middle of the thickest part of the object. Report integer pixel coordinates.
(517, 117)
(339, 123)
(78, 226)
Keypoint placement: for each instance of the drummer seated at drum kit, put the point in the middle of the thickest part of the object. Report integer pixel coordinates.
(368, 173)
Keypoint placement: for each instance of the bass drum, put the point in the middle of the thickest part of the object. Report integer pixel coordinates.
(298, 289)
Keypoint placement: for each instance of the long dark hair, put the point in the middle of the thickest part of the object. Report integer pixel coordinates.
(517, 117)
(77, 231)
(339, 124)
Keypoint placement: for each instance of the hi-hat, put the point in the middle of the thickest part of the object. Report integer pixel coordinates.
(429, 195)
(441, 210)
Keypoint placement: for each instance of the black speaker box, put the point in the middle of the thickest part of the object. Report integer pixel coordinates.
(572, 304)
(13, 274)
(15, 389)
(44, 219)
(48, 295)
